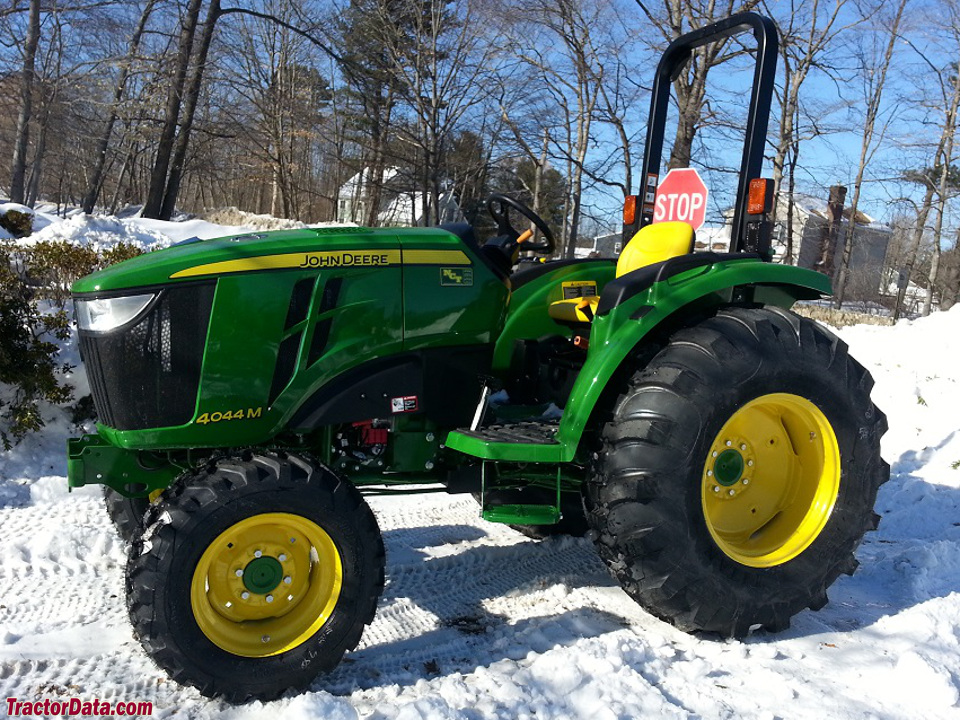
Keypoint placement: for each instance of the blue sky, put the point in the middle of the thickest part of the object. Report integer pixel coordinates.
(908, 124)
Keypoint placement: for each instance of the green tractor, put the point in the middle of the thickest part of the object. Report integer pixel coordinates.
(721, 451)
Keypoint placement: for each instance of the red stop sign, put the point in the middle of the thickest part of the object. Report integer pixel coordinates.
(681, 196)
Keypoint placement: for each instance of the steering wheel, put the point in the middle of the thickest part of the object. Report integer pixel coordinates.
(499, 206)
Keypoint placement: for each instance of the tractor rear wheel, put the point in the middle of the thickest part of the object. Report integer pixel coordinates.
(738, 473)
(254, 575)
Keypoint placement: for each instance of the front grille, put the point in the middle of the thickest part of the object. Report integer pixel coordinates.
(146, 375)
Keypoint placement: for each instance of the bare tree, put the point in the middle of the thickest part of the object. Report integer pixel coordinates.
(671, 20)
(153, 205)
(22, 142)
(875, 79)
(571, 52)
(440, 60)
(808, 30)
(191, 97)
(100, 157)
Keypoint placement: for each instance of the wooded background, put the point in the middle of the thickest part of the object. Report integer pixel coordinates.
(271, 106)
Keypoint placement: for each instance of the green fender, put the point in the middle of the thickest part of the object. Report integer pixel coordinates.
(615, 334)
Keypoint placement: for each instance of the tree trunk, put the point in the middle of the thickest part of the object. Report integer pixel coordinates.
(36, 171)
(946, 158)
(153, 205)
(189, 110)
(100, 161)
(22, 143)
(911, 255)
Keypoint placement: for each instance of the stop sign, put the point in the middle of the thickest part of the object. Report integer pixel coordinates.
(681, 196)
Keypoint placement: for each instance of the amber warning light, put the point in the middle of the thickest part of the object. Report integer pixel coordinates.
(760, 197)
(629, 209)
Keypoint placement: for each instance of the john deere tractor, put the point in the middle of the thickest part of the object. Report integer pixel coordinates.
(721, 451)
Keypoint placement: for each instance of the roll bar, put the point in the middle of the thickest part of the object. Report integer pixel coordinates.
(671, 64)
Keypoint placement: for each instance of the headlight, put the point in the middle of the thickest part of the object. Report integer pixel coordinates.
(105, 314)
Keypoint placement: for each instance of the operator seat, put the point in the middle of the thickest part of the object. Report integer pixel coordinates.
(652, 244)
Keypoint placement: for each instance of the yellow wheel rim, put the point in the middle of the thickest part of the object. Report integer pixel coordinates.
(770, 480)
(266, 584)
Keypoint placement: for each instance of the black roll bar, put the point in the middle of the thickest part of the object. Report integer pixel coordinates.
(671, 64)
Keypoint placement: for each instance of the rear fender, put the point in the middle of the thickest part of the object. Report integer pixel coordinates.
(665, 305)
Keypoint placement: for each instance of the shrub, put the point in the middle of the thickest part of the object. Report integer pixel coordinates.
(18, 223)
(28, 349)
(28, 354)
(54, 266)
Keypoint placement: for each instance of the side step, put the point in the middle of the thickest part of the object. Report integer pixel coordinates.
(519, 506)
(527, 441)
(522, 514)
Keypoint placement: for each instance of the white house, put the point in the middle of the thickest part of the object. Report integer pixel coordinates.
(399, 203)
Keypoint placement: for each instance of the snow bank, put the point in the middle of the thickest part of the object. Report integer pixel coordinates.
(100, 233)
(16, 207)
(235, 216)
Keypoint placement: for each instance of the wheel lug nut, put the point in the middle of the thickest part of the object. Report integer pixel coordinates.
(714, 453)
(746, 481)
(731, 492)
(288, 579)
(743, 446)
(228, 604)
(265, 638)
(750, 463)
(282, 558)
(289, 598)
(269, 598)
(245, 595)
(729, 443)
(257, 553)
(239, 573)
(709, 473)
(716, 488)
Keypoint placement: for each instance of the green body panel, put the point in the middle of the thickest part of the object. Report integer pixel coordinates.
(415, 300)
(614, 335)
(528, 317)
(156, 268)
(444, 307)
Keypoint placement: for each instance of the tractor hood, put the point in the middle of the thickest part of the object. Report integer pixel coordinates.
(341, 247)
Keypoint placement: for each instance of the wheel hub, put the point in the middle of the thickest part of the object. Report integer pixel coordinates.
(729, 467)
(262, 574)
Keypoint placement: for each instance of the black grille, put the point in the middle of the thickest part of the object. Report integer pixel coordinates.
(147, 375)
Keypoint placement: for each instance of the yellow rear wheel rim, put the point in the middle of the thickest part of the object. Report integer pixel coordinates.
(266, 584)
(771, 480)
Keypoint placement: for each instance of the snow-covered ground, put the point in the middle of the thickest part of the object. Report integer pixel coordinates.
(477, 621)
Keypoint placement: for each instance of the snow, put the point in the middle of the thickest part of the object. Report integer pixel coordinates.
(478, 621)
(16, 207)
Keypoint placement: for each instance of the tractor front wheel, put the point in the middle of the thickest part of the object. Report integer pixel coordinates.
(125, 513)
(254, 575)
(738, 473)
